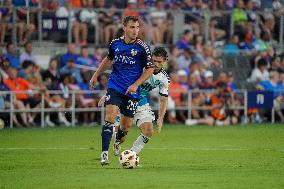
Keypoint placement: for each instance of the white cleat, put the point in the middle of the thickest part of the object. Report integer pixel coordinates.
(104, 158)
(62, 119)
(190, 122)
(116, 148)
(48, 122)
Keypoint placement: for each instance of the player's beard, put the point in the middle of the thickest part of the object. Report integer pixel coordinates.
(133, 36)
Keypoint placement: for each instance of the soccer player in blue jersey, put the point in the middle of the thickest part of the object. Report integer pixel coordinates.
(131, 66)
(144, 115)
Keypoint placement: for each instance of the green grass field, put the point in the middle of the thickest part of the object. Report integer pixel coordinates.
(180, 157)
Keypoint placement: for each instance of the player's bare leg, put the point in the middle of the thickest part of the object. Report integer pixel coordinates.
(123, 129)
(107, 130)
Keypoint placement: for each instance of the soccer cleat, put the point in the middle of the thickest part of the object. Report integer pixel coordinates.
(116, 148)
(104, 158)
(62, 119)
(190, 122)
(48, 122)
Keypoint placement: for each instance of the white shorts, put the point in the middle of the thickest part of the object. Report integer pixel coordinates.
(143, 114)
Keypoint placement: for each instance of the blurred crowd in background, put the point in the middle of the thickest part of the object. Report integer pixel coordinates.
(87, 17)
(249, 58)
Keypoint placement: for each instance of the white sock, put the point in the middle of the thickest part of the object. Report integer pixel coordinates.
(104, 152)
(114, 133)
(139, 143)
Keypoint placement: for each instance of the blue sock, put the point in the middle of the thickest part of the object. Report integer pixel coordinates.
(106, 134)
(119, 135)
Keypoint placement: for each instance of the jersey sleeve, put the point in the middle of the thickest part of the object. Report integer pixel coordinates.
(164, 86)
(147, 57)
(110, 55)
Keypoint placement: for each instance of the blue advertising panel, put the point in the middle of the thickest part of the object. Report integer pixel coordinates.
(260, 99)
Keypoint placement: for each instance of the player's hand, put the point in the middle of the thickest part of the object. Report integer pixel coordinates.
(93, 82)
(159, 125)
(131, 89)
(102, 101)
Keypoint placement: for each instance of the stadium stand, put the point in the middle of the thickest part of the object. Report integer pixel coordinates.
(66, 42)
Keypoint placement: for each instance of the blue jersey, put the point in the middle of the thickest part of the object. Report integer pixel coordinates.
(129, 60)
(270, 87)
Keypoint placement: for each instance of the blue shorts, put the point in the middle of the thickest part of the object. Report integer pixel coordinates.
(127, 105)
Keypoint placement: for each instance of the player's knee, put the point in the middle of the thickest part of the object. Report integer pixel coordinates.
(110, 118)
(111, 114)
(147, 130)
(126, 128)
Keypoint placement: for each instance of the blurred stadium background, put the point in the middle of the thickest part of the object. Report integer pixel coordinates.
(50, 48)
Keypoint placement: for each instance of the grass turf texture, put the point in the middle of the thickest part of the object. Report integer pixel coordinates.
(180, 157)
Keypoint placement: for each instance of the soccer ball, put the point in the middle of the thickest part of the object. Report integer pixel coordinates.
(128, 159)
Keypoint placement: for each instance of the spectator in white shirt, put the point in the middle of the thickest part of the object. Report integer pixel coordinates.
(260, 73)
(79, 30)
(185, 60)
(87, 17)
(27, 55)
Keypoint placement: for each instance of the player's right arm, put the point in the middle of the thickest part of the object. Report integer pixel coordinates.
(106, 64)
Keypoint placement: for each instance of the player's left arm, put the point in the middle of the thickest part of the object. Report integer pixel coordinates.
(164, 93)
(162, 112)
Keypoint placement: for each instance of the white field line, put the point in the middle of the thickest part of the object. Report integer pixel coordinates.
(150, 148)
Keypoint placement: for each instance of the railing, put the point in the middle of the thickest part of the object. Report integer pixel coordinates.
(42, 109)
(178, 21)
(189, 107)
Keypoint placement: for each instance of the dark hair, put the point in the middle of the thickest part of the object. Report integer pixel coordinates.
(27, 63)
(221, 84)
(8, 45)
(160, 51)
(53, 59)
(26, 44)
(195, 39)
(261, 62)
(64, 76)
(128, 19)
(186, 32)
(188, 50)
